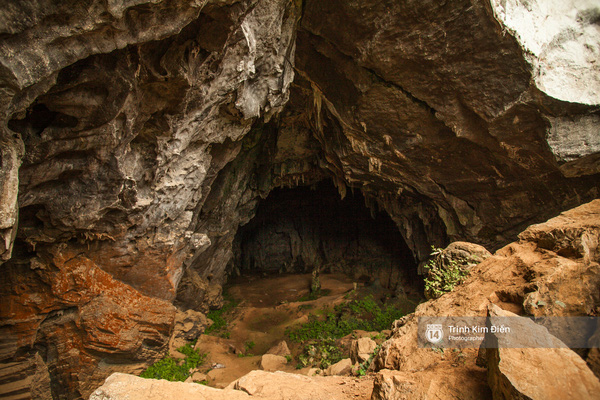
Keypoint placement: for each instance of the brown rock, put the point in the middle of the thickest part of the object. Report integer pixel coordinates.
(93, 323)
(280, 349)
(510, 274)
(538, 373)
(122, 386)
(132, 137)
(285, 386)
(271, 362)
(443, 382)
(342, 367)
(258, 385)
(361, 349)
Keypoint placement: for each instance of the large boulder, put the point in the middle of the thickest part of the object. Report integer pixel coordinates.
(549, 372)
(122, 386)
(443, 382)
(531, 266)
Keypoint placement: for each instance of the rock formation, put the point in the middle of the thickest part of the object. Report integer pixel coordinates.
(530, 268)
(259, 385)
(556, 372)
(500, 283)
(138, 136)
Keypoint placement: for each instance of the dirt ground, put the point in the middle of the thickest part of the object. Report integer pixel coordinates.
(267, 307)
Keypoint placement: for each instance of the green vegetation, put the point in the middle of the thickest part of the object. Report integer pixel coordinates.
(321, 353)
(248, 345)
(175, 370)
(364, 367)
(219, 317)
(442, 274)
(319, 334)
(365, 314)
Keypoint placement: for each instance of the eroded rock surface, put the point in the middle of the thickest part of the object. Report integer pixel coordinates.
(555, 372)
(524, 270)
(137, 136)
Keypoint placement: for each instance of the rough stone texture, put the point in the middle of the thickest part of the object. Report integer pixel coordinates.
(122, 386)
(537, 373)
(361, 349)
(561, 39)
(282, 385)
(448, 383)
(257, 385)
(272, 362)
(77, 322)
(280, 349)
(137, 136)
(127, 111)
(541, 264)
(342, 367)
(466, 156)
(190, 324)
(465, 253)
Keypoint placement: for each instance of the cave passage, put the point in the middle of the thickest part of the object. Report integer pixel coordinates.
(296, 230)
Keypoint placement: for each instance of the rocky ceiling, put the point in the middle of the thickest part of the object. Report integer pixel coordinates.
(138, 135)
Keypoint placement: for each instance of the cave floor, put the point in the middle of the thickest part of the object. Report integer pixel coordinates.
(267, 306)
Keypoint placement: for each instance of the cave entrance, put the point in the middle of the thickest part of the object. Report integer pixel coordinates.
(300, 229)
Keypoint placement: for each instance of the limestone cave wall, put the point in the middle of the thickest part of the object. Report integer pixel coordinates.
(137, 136)
(306, 228)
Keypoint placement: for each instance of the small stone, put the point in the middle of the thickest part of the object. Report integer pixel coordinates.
(271, 362)
(280, 349)
(343, 367)
(361, 349)
(198, 377)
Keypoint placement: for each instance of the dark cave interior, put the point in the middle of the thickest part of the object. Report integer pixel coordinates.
(299, 229)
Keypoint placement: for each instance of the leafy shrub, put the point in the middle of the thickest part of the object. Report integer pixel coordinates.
(319, 333)
(442, 274)
(175, 370)
(365, 314)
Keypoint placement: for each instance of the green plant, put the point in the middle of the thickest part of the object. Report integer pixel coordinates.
(288, 358)
(364, 367)
(324, 326)
(219, 317)
(248, 345)
(442, 274)
(175, 370)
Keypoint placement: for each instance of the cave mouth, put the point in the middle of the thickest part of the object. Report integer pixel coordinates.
(299, 229)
